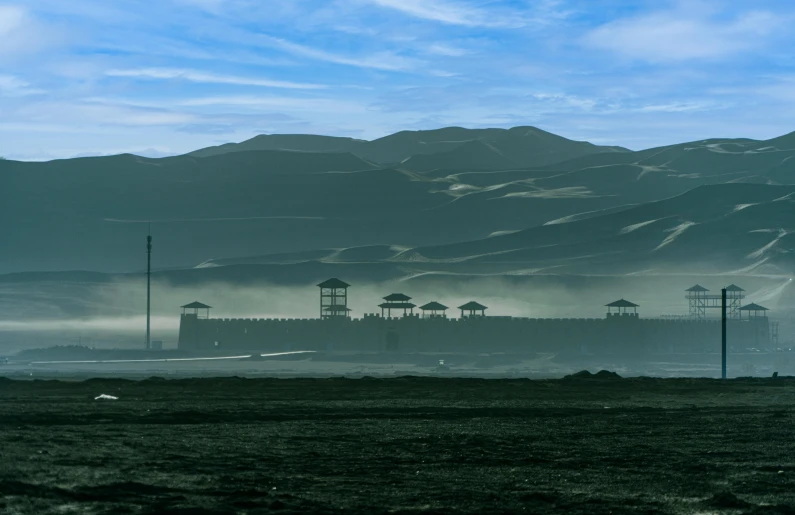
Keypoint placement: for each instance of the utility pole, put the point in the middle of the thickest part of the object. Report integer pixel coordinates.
(723, 333)
(148, 287)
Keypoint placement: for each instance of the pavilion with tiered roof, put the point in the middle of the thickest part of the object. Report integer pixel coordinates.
(433, 309)
(755, 310)
(621, 307)
(473, 309)
(397, 301)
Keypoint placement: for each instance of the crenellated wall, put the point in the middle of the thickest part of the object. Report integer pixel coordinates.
(624, 334)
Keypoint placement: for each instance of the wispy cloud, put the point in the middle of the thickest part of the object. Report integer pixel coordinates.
(332, 105)
(379, 61)
(22, 34)
(212, 6)
(687, 32)
(480, 14)
(11, 17)
(446, 11)
(212, 78)
(437, 10)
(207, 128)
(681, 107)
(12, 86)
(447, 50)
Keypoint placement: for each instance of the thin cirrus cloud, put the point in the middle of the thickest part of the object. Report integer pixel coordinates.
(315, 105)
(21, 33)
(683, 35)
(483, 14)
(445, 11)
(11, 18)
(11, 86)
(387, 61)
(447, 50)
(211, 78)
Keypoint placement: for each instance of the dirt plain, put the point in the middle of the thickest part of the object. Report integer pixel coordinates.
(399, 445)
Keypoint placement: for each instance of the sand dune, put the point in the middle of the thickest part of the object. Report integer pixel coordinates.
(458, 201)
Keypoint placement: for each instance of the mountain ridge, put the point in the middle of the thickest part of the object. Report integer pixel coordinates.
(91, 213)
(526, 145)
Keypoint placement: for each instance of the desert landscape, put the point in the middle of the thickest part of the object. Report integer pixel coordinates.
(397, 257)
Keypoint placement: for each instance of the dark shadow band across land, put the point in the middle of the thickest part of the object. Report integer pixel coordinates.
(585, 444)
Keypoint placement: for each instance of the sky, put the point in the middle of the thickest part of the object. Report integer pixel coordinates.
(95, 77)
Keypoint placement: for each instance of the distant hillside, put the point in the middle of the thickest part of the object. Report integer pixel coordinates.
(727, 228)
(717, 228)
(520, 146)
(464, 185)
(296, 142)
(474, 155)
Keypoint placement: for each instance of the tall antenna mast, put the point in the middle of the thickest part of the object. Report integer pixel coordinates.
(148, 286)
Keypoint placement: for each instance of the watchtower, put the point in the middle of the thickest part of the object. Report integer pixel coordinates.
(193, 317)
(697, 299)
(334, 299)
(754, 311)
(196, 306)
(734, 300)
(473, 309)
(434, 310)
(757, 319)
(622, 308)
(700, 301)
(399, 302)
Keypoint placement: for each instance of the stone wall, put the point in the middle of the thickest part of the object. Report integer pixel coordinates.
(624, 334)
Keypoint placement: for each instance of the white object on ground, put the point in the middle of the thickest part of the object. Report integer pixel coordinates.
(163, 360)
(104, 397)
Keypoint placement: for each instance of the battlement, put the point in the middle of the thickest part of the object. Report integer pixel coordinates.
(621, 333)
(621, 330)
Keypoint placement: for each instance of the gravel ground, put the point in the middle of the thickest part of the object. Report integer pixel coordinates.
(400, 445)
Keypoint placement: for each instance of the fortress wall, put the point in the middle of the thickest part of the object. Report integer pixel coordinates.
(613, 335)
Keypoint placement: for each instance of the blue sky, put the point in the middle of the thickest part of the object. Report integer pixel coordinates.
(81, 77)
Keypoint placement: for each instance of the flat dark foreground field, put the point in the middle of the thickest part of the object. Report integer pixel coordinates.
(400, 445)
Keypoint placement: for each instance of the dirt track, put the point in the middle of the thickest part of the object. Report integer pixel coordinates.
(403, 445)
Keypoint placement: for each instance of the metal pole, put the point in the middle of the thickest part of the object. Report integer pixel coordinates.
(723, 332)
(148, 288)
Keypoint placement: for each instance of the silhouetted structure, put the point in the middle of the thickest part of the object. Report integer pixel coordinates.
(434, 309)
(621, 308)
(734, 300)
(193, 326)
(196, 306)
(399, 302)
(334, 299)
(755, 311)
(723, 328)
(758, 316)
(620, 332)
(697, 300)
(148, 289)
(473, 309)
(700, 301)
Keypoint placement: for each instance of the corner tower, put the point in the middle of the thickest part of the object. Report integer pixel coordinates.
(334, 299)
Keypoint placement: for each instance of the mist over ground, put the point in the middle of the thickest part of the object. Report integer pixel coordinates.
(111, 314)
